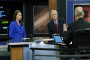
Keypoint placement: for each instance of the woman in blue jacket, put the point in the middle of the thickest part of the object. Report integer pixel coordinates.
(16, 29)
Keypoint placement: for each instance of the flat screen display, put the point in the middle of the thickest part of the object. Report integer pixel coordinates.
(57, 39)
(40, 19)
(6, 14)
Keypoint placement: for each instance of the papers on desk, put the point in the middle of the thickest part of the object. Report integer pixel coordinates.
(44, 40)
(47, 39)
(25, 38)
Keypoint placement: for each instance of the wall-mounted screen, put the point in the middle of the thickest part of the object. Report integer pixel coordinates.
(40, 19)
(6, 14)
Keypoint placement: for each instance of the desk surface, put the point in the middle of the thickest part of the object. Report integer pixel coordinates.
(22, 41)
(34, 43)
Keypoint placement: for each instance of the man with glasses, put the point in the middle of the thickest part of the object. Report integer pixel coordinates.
(55, 26)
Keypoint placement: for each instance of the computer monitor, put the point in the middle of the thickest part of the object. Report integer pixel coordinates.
(6, 14)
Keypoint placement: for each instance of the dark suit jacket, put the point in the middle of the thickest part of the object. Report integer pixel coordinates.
(79, 24)
(52, 28)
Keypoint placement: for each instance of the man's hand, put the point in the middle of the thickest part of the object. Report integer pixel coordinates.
(54, 34)
(64, 27)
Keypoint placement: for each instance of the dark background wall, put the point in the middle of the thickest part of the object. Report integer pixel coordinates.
(28, 12)
(28, 6)
(61, 8)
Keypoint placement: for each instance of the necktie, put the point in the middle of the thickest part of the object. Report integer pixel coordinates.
(56, 26)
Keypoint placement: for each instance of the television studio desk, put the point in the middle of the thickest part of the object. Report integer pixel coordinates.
(20, 49)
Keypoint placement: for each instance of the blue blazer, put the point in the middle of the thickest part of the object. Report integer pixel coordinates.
(16, 31)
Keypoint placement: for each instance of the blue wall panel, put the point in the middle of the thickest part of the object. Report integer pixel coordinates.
(70, 4)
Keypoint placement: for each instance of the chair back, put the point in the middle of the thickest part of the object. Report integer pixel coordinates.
(81, 38)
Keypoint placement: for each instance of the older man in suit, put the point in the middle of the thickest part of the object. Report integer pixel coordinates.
(55, 26)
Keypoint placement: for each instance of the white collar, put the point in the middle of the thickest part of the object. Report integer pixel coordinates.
(56, 21)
